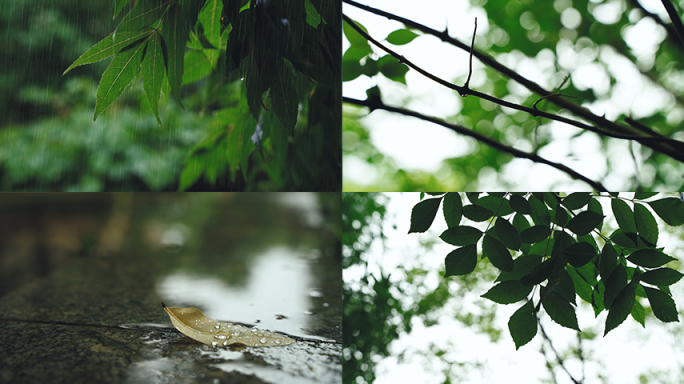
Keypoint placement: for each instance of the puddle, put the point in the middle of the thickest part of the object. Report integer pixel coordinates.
(278, 295)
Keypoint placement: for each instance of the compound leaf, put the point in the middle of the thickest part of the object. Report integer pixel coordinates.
(108, 47)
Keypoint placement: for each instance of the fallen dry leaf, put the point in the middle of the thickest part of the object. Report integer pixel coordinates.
(192, 323)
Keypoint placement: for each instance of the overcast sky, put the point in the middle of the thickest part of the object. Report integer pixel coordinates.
(628, 346)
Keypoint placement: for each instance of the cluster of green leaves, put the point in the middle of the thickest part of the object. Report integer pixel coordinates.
(560, 248)
(284, 54)
(360, 51)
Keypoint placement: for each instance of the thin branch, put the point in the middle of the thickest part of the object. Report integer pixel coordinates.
(659, 145)
(548, 96)
(470, 70)
(377, 104)
(534, 112)
(560, 359)
(676, 21)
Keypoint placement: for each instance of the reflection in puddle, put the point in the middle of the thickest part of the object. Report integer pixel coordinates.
(277, 294)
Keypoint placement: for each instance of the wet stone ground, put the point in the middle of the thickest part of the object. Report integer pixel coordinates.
(82, 283)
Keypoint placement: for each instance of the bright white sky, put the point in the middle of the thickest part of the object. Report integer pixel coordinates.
(416, 144)
(628, 346)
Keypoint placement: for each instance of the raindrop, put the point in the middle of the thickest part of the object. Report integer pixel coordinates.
(220, 336)
(263, 340)
(326, 305)
(225, 342)
(213, 343)
(217, 326)
(315, 293)
(308, 313)
(277, 341)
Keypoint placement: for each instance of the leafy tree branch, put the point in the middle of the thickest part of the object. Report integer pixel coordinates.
(561, 247)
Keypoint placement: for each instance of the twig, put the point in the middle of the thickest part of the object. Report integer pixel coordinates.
(661, 146)
(482, 138)
(548, 96)
(470, 70)
(676, 21)
(534, 112)
(560, 359)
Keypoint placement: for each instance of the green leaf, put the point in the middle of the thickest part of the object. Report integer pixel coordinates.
(560, 217)
(497, 253)
(498, 205)
(662, 305)
(584, 222)
(620, 238)
(616, 282)
(353, 36)
(423, 214)
(284, 99)
(582, 287)
(193, 169)
(453, 209)
(196, 66)
(670, 209)
(108, 47)
(621, 307)
(461, 261)
(644, 195)
(461, 235)
(576, 200)
(393, 69)
(535, 234)
(646, 224)
(559, 310)
(153, 72)
(661, 276)
(579, 254)
(608, 261)
(401, 37)
(624, 215)
(539, 273)
(564, 286)
(650, 258)
(523, 325)
(477, 213)
(313, 18)
(175, 30)
(508, 292)
(507, 233)
(117, 76)
(210, 17)
(540, 214)
(639, 314)
(119, 6)
(521, 266)
(520, 205)
(142, 15)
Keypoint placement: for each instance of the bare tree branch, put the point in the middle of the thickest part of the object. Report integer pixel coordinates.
(378, 104)
(558, 357)
(618, 131)
(470, 69)
(676, 21)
